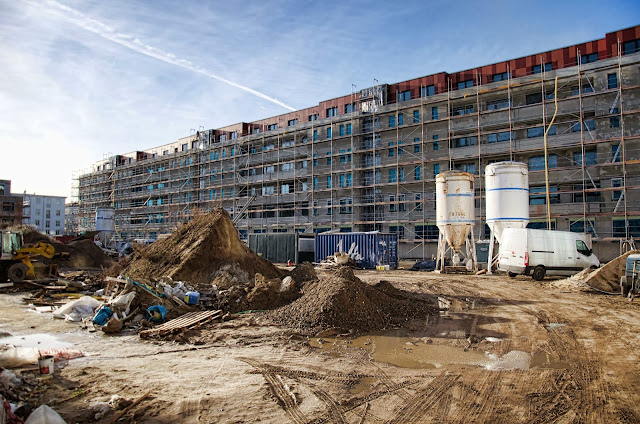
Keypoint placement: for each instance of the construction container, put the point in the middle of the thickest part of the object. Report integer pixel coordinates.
(368, 250)
(282, 248)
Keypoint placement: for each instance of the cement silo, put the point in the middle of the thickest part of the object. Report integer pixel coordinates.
(455, 217)
(106, 225)
(507, 197)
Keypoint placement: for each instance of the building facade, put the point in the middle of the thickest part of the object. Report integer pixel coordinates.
(45, 213)
(368, 160)
(11, 211)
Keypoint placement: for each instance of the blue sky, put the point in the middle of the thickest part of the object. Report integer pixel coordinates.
(82, 80)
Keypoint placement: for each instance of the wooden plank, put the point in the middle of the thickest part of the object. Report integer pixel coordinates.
(184, 322)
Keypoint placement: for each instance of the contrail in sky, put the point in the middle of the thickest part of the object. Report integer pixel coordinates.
(130, 42)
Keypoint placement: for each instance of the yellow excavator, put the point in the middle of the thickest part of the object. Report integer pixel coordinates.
(16, 259)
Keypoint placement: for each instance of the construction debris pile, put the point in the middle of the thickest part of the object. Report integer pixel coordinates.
(343, 302)
(607, 277)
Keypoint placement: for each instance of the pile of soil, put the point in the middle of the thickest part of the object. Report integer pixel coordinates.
(195, 253)
(82, 253)
(342, 301)
(607, 278)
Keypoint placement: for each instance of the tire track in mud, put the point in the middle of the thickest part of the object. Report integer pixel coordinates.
(416, 407)
(330, 376)
(333, 409)
(286, 399)
(480, 406)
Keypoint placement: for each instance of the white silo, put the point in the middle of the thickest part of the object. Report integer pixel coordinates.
(455, 217)
(106, 225)
(507, 196)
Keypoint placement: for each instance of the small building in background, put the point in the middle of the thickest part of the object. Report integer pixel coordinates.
(10, 206)
(45, 213)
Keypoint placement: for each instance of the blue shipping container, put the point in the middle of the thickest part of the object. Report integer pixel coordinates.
(367, 249)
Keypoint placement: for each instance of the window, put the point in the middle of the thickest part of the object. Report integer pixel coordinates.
(271, 127)
(400, 149)
(392, 121)
(349, 180)
(427, 232)
(619, 228)
(464, 141)
(401, 175)
(391, 151)
(342, 181)
(416, 173)
(502, 136)
(465, 84)
(348, 129)
(313, 117)
(592, 196)
(537, 69)
(392, 176)
(541, 225)
(256, 130)
(630, 47)
(416, 148)
(292, 122)
(466, 167)
(285, 143)
(418, 198)
(329, 182)
(341, 130)
(498, 104)
(589, 58)
(533, 98)
(284, 189)
(315, 183)
(462, 110)
(315, 159)
(614, 121)
(345, 206)
(392, 200)
(436, 169)
(332, 111)
(329, 208)
(434, 112)
(269, 169)
(329, 160)
(616, 152)
(616, 182)
(612, 80)
(404, 96)
(329, 132)
(586, 88)
(539, 131)
(429, 90)
(538, 195)
(185, 146)
(352, 107)
(591, 157)
(397, 229)
(536, 163)
(400, 119)
(416, 116)
(503, 76)
(315, 135)
(578, 227)
(58, 212)
(287, 167)
(234, 134)
(589, 125)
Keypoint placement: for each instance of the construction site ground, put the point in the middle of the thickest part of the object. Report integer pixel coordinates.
(506, 350)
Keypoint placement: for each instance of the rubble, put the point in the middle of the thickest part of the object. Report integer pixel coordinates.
(606, 278)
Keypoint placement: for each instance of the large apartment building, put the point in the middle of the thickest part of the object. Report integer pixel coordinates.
(368, 160)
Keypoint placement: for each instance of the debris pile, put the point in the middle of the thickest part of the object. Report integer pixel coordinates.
(342, 301)
(196, 251)
(607, 277)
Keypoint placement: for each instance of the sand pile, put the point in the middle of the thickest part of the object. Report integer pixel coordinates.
(605, 278)
(342, 301)
(195, 253)
(82, 253)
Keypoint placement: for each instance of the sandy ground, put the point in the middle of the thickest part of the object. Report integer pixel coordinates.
(507, 351)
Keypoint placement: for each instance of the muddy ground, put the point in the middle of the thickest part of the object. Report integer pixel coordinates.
(507, 351)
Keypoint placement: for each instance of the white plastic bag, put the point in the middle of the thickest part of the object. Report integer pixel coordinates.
(44, 415)
(81, 306)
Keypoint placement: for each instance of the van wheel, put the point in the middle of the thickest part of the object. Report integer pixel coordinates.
(512, 274)
(538, 273)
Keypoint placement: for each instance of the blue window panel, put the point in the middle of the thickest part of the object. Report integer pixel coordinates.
(416, 148)
(590, 158)
(416, 116)
(536, 163)
(436, 169)
(400, 119)
(502, 76)
(341, 130)
(429, 90)
(630, 47)
(349, 180)
(329, 182)
(391, 152)
(403, 96)
(616, 152)
(392, 121)
(342, 180)
(401, 175)
(392, 176)
(329, 132)
(434, 112)
(416, 173)
(589, 58)
(465, 84)
(315, 135)
(315, 183)
(348, 129)
(612, 80)
(537, 69)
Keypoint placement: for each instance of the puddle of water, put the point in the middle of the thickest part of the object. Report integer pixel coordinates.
(541, 360)
(402, 351)
(41, 341)
(364, 385)
(553, 325)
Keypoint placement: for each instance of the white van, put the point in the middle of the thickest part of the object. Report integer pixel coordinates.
(544, 252)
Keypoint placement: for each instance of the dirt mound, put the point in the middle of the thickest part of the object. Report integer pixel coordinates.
(82, 253)
(343, 301)
(605, 278)
(196, 251)
(303, 273)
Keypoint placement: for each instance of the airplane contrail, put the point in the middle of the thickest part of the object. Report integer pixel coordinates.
(105, 31)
